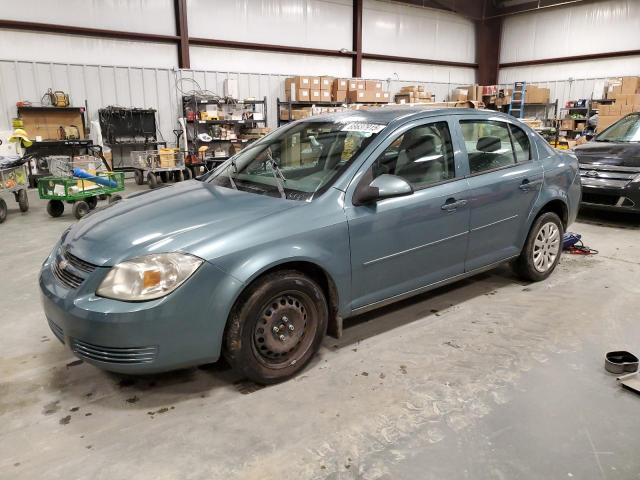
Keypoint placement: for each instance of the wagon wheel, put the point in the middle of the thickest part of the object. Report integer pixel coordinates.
(80, 209)
(164, 176)
(178, 176)
(152, 180)
(186, 173)
(92, 202)
(23, 200)
(55, 208)
(114, 199)
(139, 177)
(3, 210)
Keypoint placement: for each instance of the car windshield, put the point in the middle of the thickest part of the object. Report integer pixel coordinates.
(625, 130)
(299, 161)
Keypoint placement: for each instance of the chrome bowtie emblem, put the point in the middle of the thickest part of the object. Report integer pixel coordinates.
(592, 173)
(63, 264)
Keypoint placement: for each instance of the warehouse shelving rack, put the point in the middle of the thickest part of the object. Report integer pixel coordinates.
(195, 126)
(291, 105)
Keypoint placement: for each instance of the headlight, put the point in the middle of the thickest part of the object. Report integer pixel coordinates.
(148, 277)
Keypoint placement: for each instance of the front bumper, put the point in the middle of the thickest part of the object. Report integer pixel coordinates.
(602, 196)
(182, 329)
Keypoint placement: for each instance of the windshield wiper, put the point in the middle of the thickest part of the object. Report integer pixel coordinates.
(235, 170)
(277, 175)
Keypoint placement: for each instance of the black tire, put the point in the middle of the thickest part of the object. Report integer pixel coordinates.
(287, 301)
(55, 208)
(103, 196)
(80, 209)
(178, 176)
(3, 210)
(152, 180)
(164, 176)
(92, 202)
(138, 176)
(542, 250)
(187, 174)
(114, 199)
(23, 201)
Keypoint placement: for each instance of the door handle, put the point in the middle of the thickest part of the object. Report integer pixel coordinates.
(527, 184)
(452, 204)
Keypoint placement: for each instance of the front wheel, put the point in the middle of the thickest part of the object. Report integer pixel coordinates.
(276, 327)
(3, 210)
(542, 250)
(80, 209)
(23, 201)
(55, 208)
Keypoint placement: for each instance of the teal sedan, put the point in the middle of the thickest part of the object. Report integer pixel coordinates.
(323, 219)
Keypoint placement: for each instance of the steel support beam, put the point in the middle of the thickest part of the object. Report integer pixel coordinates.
(488, 39)
(87, 32)
(182, 30)
(356, 60)
(574, 58)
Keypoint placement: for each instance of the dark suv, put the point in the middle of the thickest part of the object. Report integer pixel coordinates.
(610, 167)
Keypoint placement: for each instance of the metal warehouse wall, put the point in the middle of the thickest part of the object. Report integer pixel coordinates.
(103, 85)
(599, 27)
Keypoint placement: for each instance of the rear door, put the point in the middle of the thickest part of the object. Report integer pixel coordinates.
(402, 244)
(505, 179)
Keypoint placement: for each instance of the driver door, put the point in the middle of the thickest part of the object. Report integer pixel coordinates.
(402, 244)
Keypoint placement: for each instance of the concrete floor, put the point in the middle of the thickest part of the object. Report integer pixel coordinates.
(487, 379)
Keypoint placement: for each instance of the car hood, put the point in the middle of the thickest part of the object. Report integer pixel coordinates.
(175, 218)
(621, 154)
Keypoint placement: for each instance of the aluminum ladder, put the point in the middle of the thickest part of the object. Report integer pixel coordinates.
(516, 107)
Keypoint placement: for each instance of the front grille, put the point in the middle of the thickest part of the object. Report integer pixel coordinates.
(100, 353)
(607, 175)
(57, 331)
(64, 276)
(78, 263)
(599, 199)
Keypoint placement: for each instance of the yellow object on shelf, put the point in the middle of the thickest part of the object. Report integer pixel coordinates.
(167, 157)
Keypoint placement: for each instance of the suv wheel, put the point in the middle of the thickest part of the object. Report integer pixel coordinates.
(276, 327)
(542, 249)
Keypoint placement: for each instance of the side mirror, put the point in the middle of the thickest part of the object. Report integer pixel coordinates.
(384, 186)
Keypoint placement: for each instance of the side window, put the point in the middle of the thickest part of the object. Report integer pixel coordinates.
(422, 156)
(520, 144)
(488, 145)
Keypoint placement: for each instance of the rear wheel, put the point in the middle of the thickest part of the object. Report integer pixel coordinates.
(114, 198)
(23, 201)
(276, 327)
(92, 202)
(187, 174)
(152, 180)
(55, 208)
(139, 177)
(178, 176)
(542, 250)
(80, 209)
(3, 210)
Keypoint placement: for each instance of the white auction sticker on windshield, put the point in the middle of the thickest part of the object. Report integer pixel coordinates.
(362, 127)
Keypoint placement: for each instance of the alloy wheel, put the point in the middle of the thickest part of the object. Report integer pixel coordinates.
(546, 247)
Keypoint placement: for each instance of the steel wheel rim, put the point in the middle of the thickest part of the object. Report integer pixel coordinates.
(284, 330)
(546, 247)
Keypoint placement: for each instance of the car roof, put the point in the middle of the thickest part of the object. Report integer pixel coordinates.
(402, 113)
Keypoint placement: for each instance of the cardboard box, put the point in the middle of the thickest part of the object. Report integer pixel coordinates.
(381, 97)
(326, 83)
(315, 94)
(302, 82)
(315, 83)
(340, 85)
(615, 109)
(355, 84)
(580, 126)
(373, 85)
(626, 109)
(606, 121)
(460, 95)
(630, 85)
(303, 95)
(356, 96)
(325, 95)
(339, 96)
(604, 110)
(567, 124)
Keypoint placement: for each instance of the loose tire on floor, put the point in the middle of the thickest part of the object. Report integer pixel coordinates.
(23, 201)
(138, 176)
(80, 209)
(276, 327)
(92, 202)
(542, 250)
(114, 198)
(3, 210)
(55, 208)
(152, 180)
